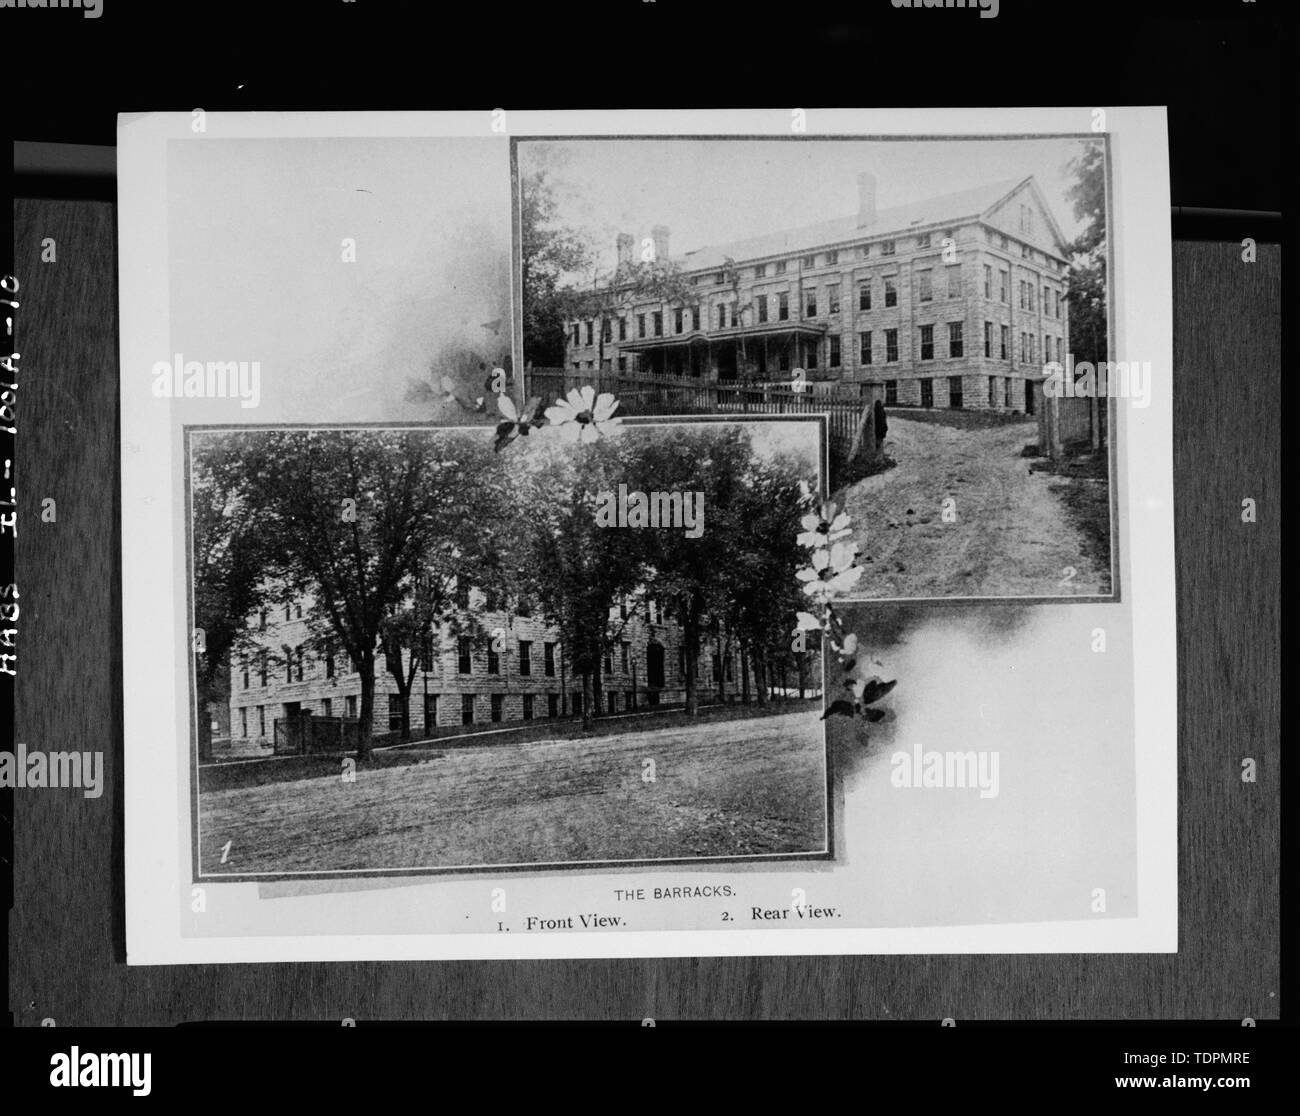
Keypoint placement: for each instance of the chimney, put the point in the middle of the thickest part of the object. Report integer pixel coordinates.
(624, 244)
(659, 234)
(866, 199)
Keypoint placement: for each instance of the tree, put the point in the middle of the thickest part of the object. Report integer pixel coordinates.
(1087, 277)
(548, 252)
(576, 569)
(354, 515)
(714, 460)
(230, 556)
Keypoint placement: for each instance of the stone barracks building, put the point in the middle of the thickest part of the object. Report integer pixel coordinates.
(957, 301)
(468, 683)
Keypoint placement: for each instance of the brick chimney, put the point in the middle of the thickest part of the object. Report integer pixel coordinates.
(659, 234)
(866, 199)
(624, 244)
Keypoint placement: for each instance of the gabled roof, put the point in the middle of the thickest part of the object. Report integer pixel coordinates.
(946, 208)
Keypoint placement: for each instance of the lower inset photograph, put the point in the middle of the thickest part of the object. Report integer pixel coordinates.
(563, 641)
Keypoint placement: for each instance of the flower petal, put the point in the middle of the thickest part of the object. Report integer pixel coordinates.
(507, 407)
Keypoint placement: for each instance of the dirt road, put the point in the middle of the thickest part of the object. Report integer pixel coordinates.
(1011, 535)
(733, 788)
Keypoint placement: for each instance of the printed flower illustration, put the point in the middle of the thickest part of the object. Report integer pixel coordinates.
(832, 572)
(583, 415)
(821, 528)
(516, 422)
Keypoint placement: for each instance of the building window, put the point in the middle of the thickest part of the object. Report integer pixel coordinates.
(261, 621)
(833, 298)
(659, 323)
(988, 281)
(243, 663)
(954, 392)
(625, 649)
(243, 721)
(350, 706)
(927, 342)
(810, 304)
(720, 278)
(891, 291)
(1047, 347)
(622, 329)
(464, 663)
(1004, 286)
(780, 268)
(864, 295)
(811, 354)
(722, 315)
(1033, 296)
(262, 664)
(954, 280)
(528, 707)
(640, 325)
(891, 346)
(887, 248)
(891, 392)
(923, 292)
(761, 301)
(760, 271)
(1022, 294)
(498, 705)
(1006, 335)
(609, 660)
(288, 664)
(923, 241)
(783, 307)
(1025, 253)
(430, 712)
(577, 704)
(833, 256)
(589, 332)
(394, 712)
(525, 658)
(992, 382)
(864, 347)
(606, 330)
(833, 357)
(1006, 391)
(577, 365)
(552, 705)
(927, 393)
(467, 709)
(809, 261)
(548, 659)
(622, 364)
(261, 720)
(677, 321)
(1002, 241)
(493, 658)
(988, 341)
(955, 345)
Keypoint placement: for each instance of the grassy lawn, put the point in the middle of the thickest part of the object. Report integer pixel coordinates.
(722, 788)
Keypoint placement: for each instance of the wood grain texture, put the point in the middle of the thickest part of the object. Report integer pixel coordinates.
(65, 946)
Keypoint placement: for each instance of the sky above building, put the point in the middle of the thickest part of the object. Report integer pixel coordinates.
(714, 191)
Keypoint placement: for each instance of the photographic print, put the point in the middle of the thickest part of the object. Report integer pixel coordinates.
(425, 651)
(646, 534)
(943, 300)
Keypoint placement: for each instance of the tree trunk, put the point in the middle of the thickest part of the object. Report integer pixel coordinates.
(760, 674)
(205, 732)
(691, 639)
(404, 687)
(367, 718)
(744, 673)
(799, 666)
(587, 694)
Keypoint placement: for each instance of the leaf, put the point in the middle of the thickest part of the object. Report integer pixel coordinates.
(838, 708)
(875, 689)
(874, 715)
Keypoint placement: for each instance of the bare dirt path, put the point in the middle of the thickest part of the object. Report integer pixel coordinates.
(733, 788)
(1011, 537)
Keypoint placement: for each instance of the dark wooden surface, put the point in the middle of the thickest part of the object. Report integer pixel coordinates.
(65, 944)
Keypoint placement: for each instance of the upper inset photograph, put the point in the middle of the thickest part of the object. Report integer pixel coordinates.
(946, 302)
